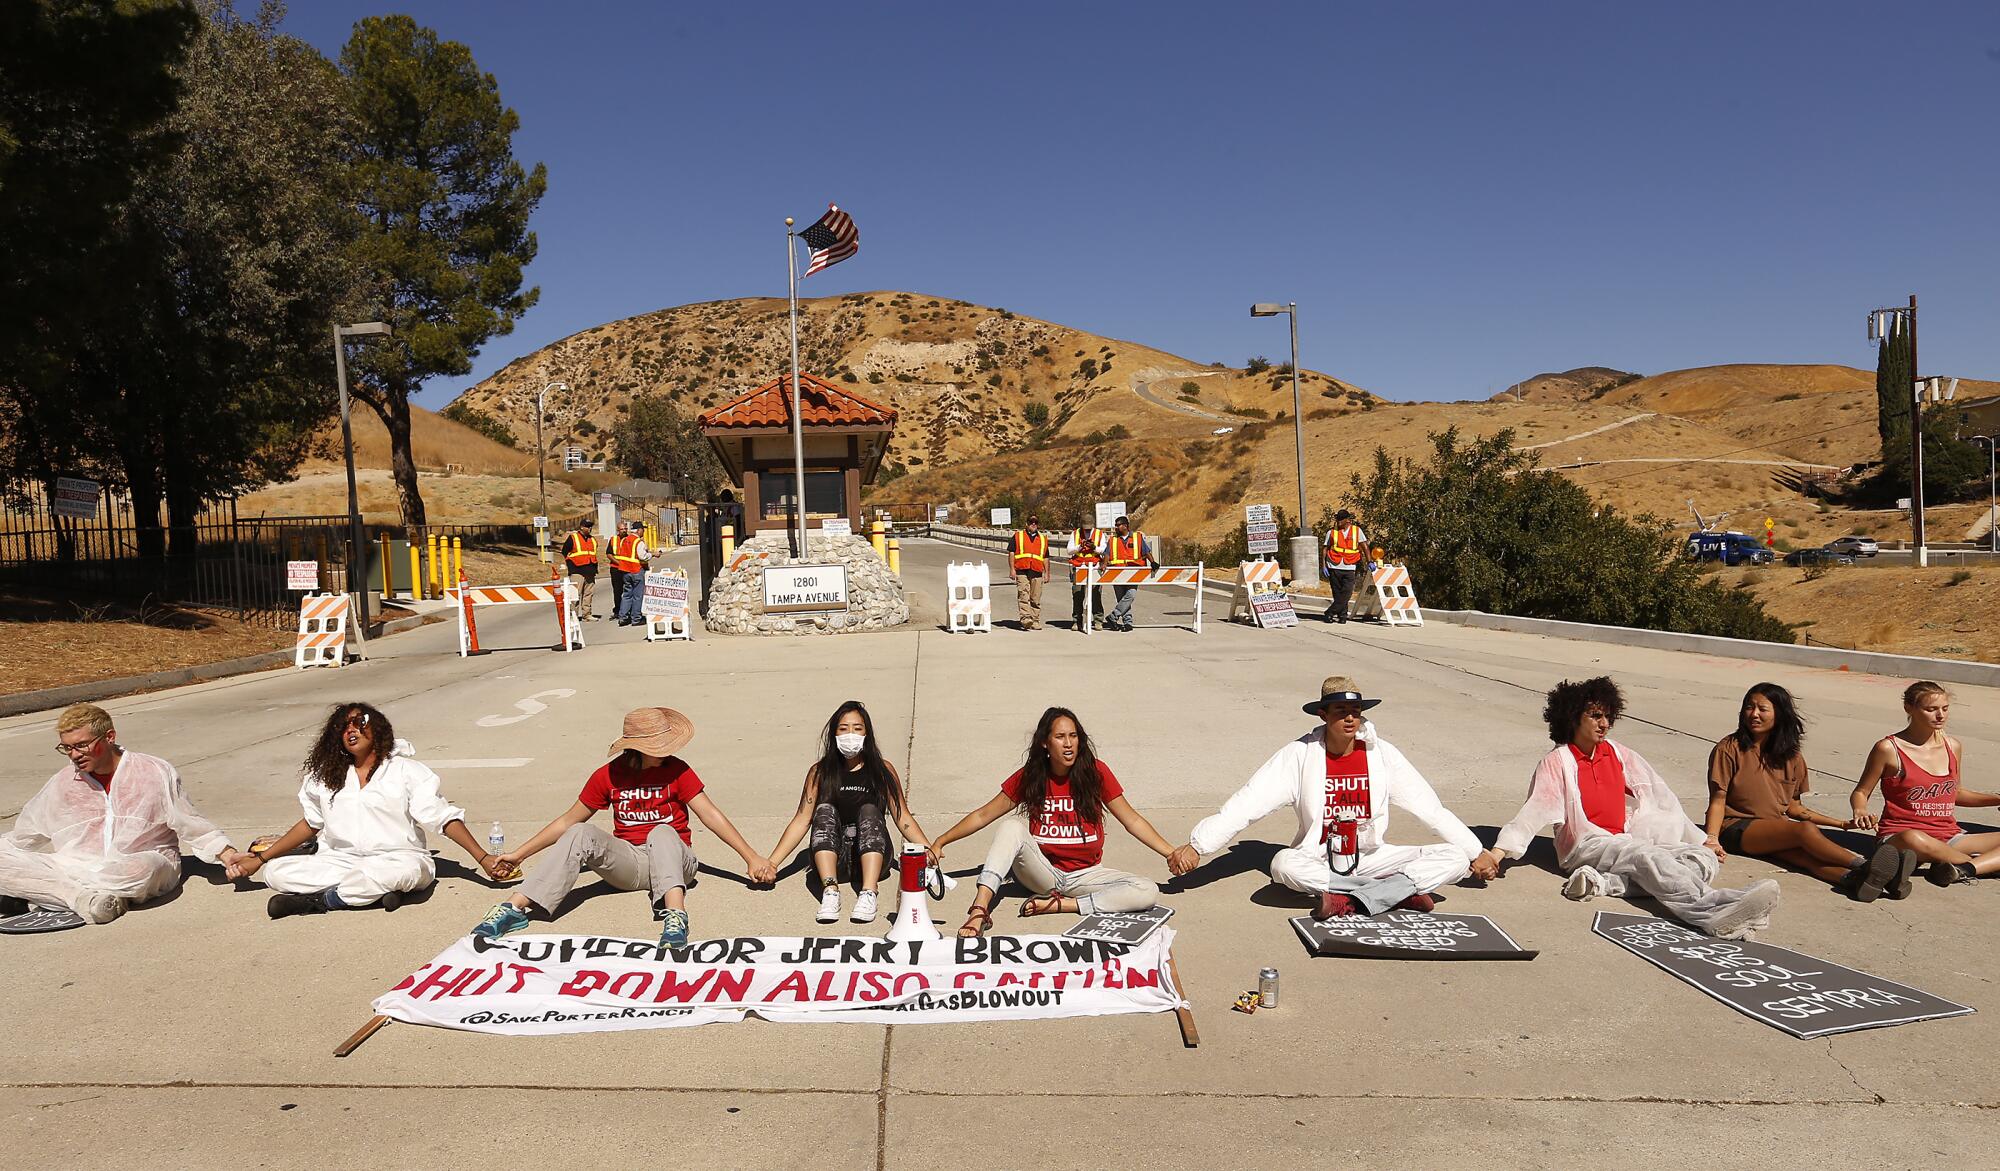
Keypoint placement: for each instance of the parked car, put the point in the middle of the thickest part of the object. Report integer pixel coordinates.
(1730, 548)
(1826, 555)
(1855, 546)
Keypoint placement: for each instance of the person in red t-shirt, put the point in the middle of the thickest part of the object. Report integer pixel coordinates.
(1918, 771)
(650, 793)
(1051, 832)
(1618, 825)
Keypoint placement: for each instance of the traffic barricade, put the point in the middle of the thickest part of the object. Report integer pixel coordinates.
(1260, 596)
(322, 631)
(557, 592)
(969, 598)
(1192, 577)
(1391, 598)
(664, 605)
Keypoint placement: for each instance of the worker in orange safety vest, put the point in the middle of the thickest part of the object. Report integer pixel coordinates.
(1029, 551)
(629, 557)
(1086, 548)
(1345, 552)
(1127, 549)
(580, 561)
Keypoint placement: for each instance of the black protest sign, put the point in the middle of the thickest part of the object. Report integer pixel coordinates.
(1120, 926)
(1409, 935)
(1788, 990)
(39, 920)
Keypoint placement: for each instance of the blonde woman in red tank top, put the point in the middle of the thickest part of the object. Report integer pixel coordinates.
(1918, 771)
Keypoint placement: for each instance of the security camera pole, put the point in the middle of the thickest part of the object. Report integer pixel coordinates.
(1305, 550)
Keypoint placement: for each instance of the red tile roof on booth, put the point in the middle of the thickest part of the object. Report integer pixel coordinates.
(822, 403)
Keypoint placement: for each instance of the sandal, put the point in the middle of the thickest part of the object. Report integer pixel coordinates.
(1048, 904)
(977, 923)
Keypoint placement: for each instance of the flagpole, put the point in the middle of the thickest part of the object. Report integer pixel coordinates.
(798, 432)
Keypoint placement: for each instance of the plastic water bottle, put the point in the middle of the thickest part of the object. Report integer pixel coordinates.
(496, 839)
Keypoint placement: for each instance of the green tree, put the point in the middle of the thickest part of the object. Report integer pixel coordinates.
(240, 238)
(1481, 528)
(467, 415)
(1895, 377)
(85, 88)
(654, 441)
(1036, 414)
(446, 210)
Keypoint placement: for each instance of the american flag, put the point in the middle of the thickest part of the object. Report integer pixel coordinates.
(832, 239)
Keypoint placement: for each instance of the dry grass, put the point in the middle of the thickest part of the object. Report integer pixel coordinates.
(468, 499)
(435, 441)
(45, 643)
(1898, 610)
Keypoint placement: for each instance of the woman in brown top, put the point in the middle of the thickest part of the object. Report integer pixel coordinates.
(1756, 777)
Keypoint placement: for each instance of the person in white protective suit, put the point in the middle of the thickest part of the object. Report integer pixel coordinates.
(106, 832)
(1339, 780)
(368, 801)
(1618, 825)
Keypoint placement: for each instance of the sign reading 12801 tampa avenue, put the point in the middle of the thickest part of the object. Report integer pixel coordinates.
(804, 589)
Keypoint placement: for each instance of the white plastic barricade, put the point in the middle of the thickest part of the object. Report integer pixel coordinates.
(1260, 596)
(1391, 598)
(322, 631)
(559, 594)
(1192, 577)
(665, 605)
(969, 597)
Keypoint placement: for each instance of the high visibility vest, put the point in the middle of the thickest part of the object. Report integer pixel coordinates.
(1083, 545)
(1343, 547)
(625, 555)
(582, 551)
(1031, 552)
(1128, 550)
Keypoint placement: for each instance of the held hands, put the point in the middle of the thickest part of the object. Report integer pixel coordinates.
(1183, 859)
(762, 872)
(241, 865)
(1862, 820)
(501, 867)
(1486, 866)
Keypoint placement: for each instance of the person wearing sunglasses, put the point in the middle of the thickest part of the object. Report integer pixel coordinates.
(107, 830)
(367, 801)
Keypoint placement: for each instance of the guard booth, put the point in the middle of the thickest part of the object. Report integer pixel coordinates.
(714, 515)
(845, 438)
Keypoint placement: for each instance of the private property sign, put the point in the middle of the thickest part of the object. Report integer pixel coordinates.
(75, 498)
(804, 589)
(1260, 529)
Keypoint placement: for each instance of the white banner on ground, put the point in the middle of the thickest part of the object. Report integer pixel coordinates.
(666, 593)
(538, 984)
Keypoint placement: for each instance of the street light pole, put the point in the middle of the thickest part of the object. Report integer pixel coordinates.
(1305, 553)
(356, 555)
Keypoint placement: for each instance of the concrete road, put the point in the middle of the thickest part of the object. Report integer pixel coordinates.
(196, 1029)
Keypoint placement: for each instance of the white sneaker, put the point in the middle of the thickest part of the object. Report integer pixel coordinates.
(1583, 884)
(100, 907)
(1750, 914)
(864, 908)
(829, 904)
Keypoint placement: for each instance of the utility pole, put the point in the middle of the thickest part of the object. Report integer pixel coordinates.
(1922, 554)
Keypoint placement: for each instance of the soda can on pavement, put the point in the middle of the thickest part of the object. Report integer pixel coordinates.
(1267, 988)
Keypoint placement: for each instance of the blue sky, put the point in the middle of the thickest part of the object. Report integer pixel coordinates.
(1456, 194)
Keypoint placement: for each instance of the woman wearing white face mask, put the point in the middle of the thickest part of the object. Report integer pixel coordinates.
(849, 786)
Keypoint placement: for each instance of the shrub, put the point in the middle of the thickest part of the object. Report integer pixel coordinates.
(1118, 431)
(1036, 414)
(1190, 388)
(1257, 365)
(1959, 577)
(469, 416)
(1254, 412)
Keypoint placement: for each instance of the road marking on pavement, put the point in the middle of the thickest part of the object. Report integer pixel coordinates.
(528, 708)
(481, 762)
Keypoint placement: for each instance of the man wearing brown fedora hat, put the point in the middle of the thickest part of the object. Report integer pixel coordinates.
(650, 793)
(1339, 780)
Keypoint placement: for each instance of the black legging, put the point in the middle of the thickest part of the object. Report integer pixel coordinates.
(871, 833)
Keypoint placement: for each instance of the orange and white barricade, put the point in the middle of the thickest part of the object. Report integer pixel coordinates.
(664, 605)
(969, 598)
(322, 631)
(1193, 577)
(557, 593)
(1391, 598)
(1253, 578)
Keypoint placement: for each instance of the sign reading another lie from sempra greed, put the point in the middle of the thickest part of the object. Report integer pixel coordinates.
(1788, 990)
(803, 589)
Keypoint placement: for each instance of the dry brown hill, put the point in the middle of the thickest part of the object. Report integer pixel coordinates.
(1579, 385)
(968, 380)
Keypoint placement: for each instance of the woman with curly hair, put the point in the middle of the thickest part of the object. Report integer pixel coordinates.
(368, 801)
(849, 791)
(1617, 823)
(1051, 834)
(1756, 804)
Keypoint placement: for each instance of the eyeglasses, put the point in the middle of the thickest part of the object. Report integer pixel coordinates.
(73, 750)
(357, 720)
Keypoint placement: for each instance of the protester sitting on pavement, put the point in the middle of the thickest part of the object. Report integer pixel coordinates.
(1918, 771)
(368, 801)
(849, 790)
(1127, 549)
(106, 831)
(1617, 823)
(650, 793)
(1756, 789)
(1051, 831)
(1343, 772)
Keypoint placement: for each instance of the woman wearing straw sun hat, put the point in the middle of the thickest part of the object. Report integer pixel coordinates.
(650, 793)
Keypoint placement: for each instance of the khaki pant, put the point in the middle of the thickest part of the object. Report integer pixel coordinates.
(1028, 596)
(586, 589)
(1095, 888)
(665, 863)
